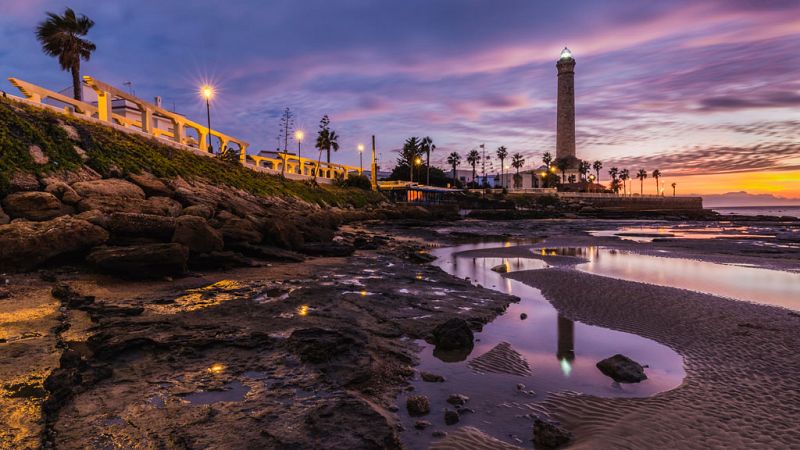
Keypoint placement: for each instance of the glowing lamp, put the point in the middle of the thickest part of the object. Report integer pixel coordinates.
(299, 135)
(207, 91)
(566, 53)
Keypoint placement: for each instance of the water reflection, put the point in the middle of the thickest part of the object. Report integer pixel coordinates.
(565, 352)
(649, 233)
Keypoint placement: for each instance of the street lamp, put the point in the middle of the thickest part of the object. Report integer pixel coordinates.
(417, 162)
(298, 136)
(208, 92)
(361, 158)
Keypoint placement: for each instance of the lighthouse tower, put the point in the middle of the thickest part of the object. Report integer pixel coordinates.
(565, 120)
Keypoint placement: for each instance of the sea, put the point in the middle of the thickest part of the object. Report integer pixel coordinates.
(793, 211)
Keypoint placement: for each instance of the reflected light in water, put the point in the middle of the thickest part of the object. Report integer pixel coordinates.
(566, 367)
(363, 293)
(217, 368)
(302, 310)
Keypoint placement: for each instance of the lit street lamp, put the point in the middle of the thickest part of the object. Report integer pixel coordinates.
(298, 135)
(417, 162)
(361, 158)
(208, 92)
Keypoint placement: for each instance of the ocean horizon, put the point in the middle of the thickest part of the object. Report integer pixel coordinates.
(792, 210)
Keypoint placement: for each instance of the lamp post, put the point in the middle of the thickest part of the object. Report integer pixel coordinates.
(361, 158)
(298, 135)
(208, 92)
(417, 162)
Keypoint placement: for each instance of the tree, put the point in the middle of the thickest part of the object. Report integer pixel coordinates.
(563, 164)
(572, 179)
(473, 158)
(454, 159)
(286, 128)
(326, 139)
(412, 149)
(62, 37)
(597, 165)
(583, 168)
(502, 153)
(657, 175)
(517, 161)
(673, 188)
(624, 176)
(641, 175)
(547, 159)
(613, 172)
(426, 145)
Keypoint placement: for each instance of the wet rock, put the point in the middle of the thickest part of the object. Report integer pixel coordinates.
(520, 387)
(69, 297)
(345, 424)
(523, 316)
(439, 434)
(151, 185)
(422, 424)
(452, 335)
(502, 268)
(37, 206)
(431, 377)
(450, 417)
(548, 434)
(141, 261)
(4, 218)
(327, 249)
(457, 399)
(418, 405)
(63, 191)
(195, 233)
(4, 293)
(24, 245)
(341, 357)
(219, 260)
(144, 225)
(622, 369)
(240, 230)
(266, 252)
(203, 211)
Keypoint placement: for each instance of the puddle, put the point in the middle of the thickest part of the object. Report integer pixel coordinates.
(765, 286)
(234, 391)
(648, 234)
(561, 355)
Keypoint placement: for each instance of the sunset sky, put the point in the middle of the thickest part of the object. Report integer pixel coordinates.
(706, 91)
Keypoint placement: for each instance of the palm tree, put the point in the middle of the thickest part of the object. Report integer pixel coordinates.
(412, 149)
(547, 159)
(673, 188)
(583, 168)
(473, 157)
(454, 159)
(657, 175)
(517, 161)
(612, 172)
(597, 165)
(625, 175)
(502, 153)
(426, 145)
(563, 164)
(326, 139)
(641, 175)
(62, 37)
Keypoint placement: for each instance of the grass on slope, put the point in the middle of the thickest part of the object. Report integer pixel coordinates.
(109, 150)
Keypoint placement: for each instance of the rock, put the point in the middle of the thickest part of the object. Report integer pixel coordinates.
(36, 206)
(502, 268)
(81, 153)
(418, 405)
(326, 249)
(203, 211)
(450, 417)
(195, 233)
(162, 206)
(151, 185)
(622, 369)
(219, 260)
(523, 316)
(38, 156)
(141, 261)
(24, 245)
(457, 399)
(95, 216)
(549, 435)
(452, 335)
(143, 225)
(265, 252)
(282, 233)
(108, 188)
(4, 294)
(240, 230)
(318, 345)
(422, 424)
(4, 218)
(439, 434)
(431, 378)
(23, 181)
(63, 191)
(520, 386)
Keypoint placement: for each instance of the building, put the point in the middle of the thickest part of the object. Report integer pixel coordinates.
(565, 114)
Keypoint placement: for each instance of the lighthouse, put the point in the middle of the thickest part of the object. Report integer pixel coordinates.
(565, 115)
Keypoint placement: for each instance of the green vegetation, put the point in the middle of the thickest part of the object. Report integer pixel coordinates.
(112, 152)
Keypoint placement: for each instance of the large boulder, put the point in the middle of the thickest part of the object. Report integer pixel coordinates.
(162, 206)
(24, 245)
(240, 230)
(151, 185)
(548, 434)
(34, 205)
(109, 195)
(195, 233)
(4, 218)
(418, 405)
(23, 181)
(204, 211)
(453, 335)
(63, 191)
(141, 261)
(143, 225)
(622, 369)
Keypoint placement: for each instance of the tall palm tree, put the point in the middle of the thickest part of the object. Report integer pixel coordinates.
(597, 165)
(454, 159)
(62, 37)
(412, 149)
(547, 159)
(657, 175)
(563, 164)
(473, 157)
(583, 168)
(613, 172)
(673, 188)
(427, 146)
(326, 139)
(641, 175)
(624, 175)
(502, 153)
(517, 161)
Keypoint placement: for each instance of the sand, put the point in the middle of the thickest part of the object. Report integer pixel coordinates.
(742, 367)
(501, 359)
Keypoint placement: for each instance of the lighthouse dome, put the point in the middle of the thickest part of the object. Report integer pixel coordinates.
(566, 53)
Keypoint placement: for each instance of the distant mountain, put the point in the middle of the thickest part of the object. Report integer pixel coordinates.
(744, 199)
